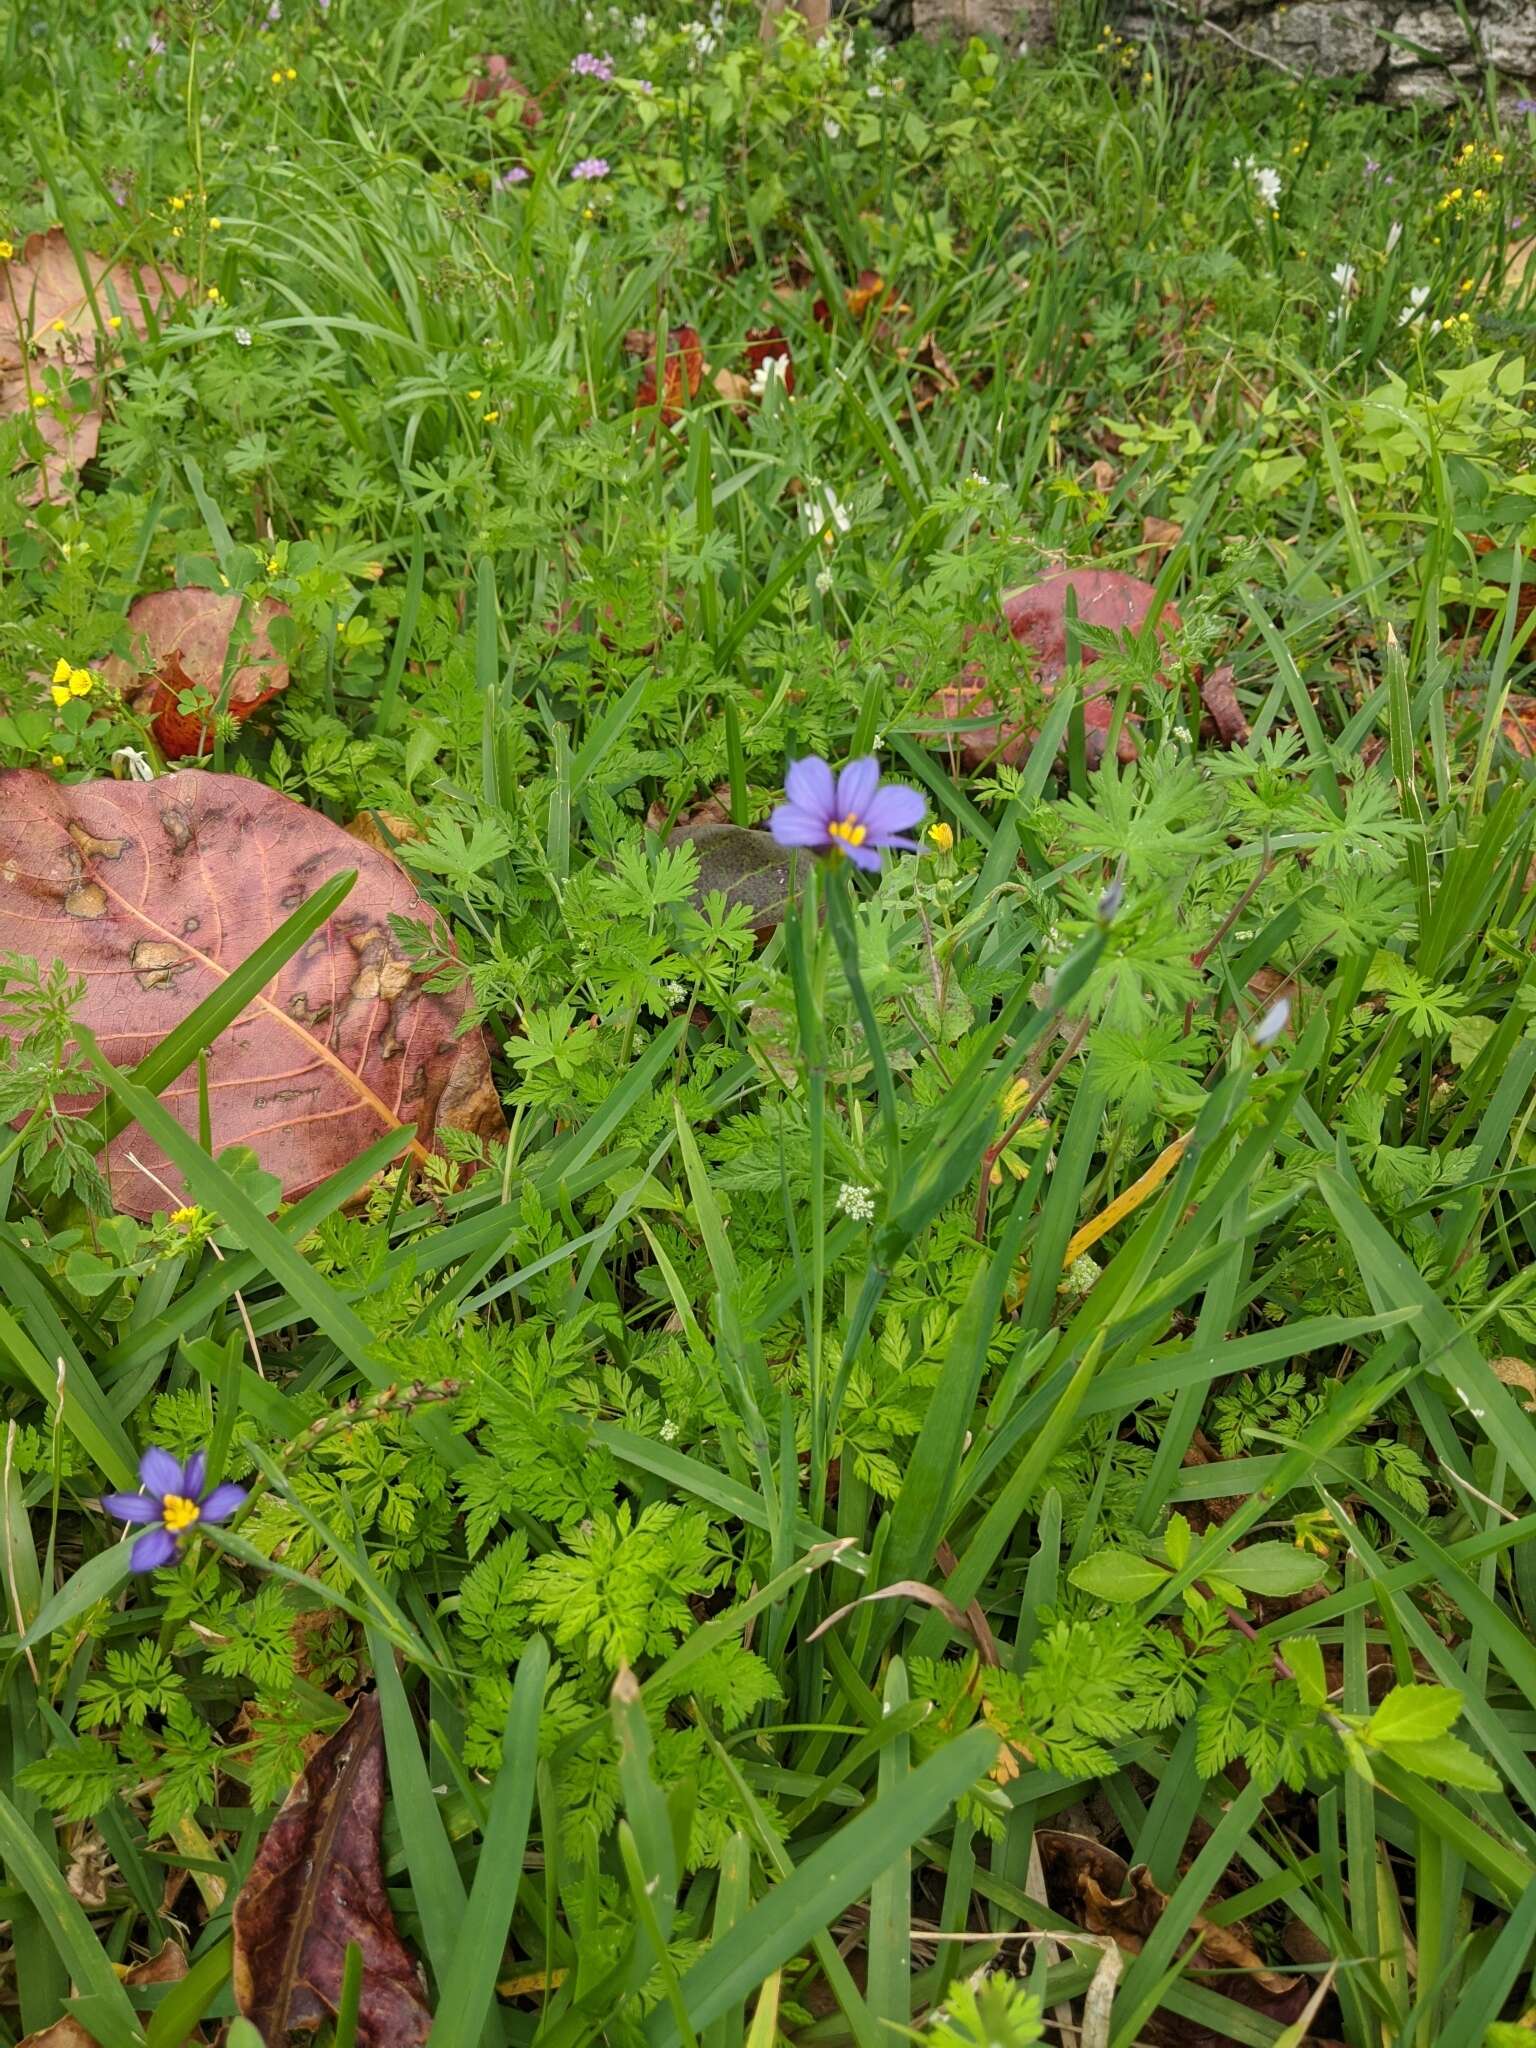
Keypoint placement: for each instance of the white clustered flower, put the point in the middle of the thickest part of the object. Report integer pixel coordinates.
(1182, 734)
(824, 581)
(243, 336)
(1267, 181)
(856, 1202)
(823, 510)
(669, 1431)
(772, 369)
(675, 992)
(1343, 275)
(1081, 1274)
(1413, 312)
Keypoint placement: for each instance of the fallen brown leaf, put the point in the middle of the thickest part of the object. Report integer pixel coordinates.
(317, 1885)
(69, 425)
(495, 82)
(1159, 538)
(152, 892)
(1036, 616)
(180, 640)
(747, 867)
(683, 370)
(1226, 714)
(168, 1967)
(46, 304)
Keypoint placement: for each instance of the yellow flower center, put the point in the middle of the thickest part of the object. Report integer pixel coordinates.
(179, 1513)
(848, 831)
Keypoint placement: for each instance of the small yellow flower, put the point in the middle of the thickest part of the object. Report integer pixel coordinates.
(490, 418)
(60, 695)
(290, 74)
(57, 760)
(39, 400)
(474, 394)
(277, 78)
(114, 321)
(61, 671)
(214, 295)
(214, 221)
(178, 204)
(942, 836)
(589, 213)
(59, 327)
(274, 566)
(1498, 156)
(1465, 286)
(7, 251)
(81, 682)
(185, 1218)
(175, 234)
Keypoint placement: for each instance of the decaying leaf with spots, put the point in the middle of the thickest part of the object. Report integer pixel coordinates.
(153, 892)
(180, 641)
(317, 1885)
(67, 420)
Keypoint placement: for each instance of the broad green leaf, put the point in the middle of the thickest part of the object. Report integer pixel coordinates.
(1118, 1575)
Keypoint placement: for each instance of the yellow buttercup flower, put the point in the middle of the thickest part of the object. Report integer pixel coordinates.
(214, 221)
(214, 295)
(114, 321)
(60, 694)
(490, 418)
(7, 251)
(474, 394)
(39, 400)
(942, 836)
(81, 682)
(61, 671)
(177, 202)
(185, 1218)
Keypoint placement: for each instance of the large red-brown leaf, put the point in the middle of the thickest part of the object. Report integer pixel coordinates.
(70, 426)
(682, 370)
(179, 640)
(46, 307)
(153, 892)
(1036, 616)
(316, 1885)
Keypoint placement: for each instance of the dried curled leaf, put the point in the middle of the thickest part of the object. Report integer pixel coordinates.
(683, 370)
(1222, 708)
(180, 640)
(317, 1885)
(152, 892)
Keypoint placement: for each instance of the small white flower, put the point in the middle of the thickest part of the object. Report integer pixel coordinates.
(138, 765)
(1413, 312)
(978, 482)
(1343, 275)
(669, 1431)
(675, 992)
(1023, 49)
(824, 581)
(856, 1202)
(1182, 734)
(823, 511)
(1267, 181)
(1273, 1022)
(772, 369)
(831, 129)
(243, 336)
(874, 92)
(1394, 236)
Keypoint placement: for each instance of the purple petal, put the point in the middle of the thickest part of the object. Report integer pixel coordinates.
(154, 1548)
(865, 857)
(810, 787)
(196, 1472)
(131, 1507)
(893, 808)
(792, 826)
(856, 787)
(222, 1502)
(898, 842)
(160, 1472)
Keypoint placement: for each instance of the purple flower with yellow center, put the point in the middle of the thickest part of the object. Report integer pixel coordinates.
(171, 1506)
(852, 812)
